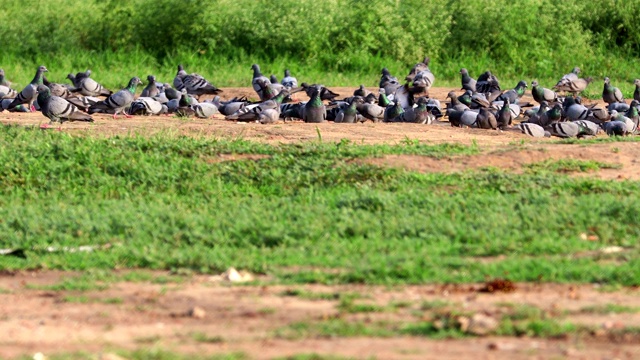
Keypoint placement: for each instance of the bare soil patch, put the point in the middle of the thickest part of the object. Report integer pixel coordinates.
(247, 319)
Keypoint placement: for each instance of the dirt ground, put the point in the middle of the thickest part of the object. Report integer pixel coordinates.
(249, 319)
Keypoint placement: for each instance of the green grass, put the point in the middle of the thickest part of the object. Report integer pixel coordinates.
(309, 212)
(610, 309)
(205, 338)
(349, 306)
(570, 165)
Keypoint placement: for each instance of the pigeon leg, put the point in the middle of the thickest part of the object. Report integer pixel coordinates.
(114, 115)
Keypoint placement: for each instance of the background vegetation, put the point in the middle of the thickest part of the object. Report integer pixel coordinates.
(338, 42)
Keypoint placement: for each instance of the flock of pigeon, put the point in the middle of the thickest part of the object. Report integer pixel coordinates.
(482, 105)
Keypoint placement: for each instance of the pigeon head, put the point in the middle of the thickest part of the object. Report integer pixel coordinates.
(634, 103)
(273, 79)
(361, 87)
(1, 72)
(42, 89)
(180, 67)
(87, 73)
(578, 100)
(71, 77)
(151, 78)
(422, 100)
(534, 83)
(255, 67)
(607, 81)
(287, 73)
(371, 98)
(464, 71)
(426, 60)
(386, 72)
(576, 70)
(42, 68)
(636, 82)
(135, 81)
(451, 95)
(358, 99)
(522, 83)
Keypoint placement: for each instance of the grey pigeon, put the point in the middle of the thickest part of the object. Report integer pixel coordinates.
(514, 94)
(574, 87)
(487, 83)
(532, 130)
(573, 110)
(567, 78)
(455, 103)
(540, 93)
(349, 113)
(631, 125)
(268, 116)
(486, 119)
(371, 112)
(315, 111)
(29, 94)
(247, 113)
(232, 106)
(588, 127)
(565, 129)
(7, 92)
(505, 117)
(325, 93)
(468, 83)
(59, 90)
(417, 68)
(4, 105)
(151, 90)
(393, 112)
(273, 79)
(58, 109)
(89, 87)
(119, 101)
(288, 80)
(83, 103)
(205, 110)
(147, 106)
(469, 118)
(388, 82)
(610, 93)
(257, 75)
(424, 80)
(615, 128)
(197, 85)
(361, 91)
(177, 80)
(419, 114)
(618, 106)
(3, 79)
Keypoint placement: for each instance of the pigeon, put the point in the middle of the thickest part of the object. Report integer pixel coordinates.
(567, 78)
(7, 92)
(504, 117)
(145, 105)
(30, 92)
(86, 86)
(198, 86)
(575, 111)
(468, 83)
(151, 90)
(83, 103)
(487, 83)
(288, 80)
(3, 79)
(465, 98)
(268, 116)
(574, 87)
(257, 75)
(247, 113)
(636, 92)
(618, 106)
(419, 114)
(514, 94)
(4, 105)
(611, 94)
(273, 79)
(588, 127)
(58, 109)
(349, 113)
(469, 118)
(232, 106)
(177, 80)
(393, 112)
(383, 100)
(542, 94)
(314, 109)
(630, 124)
(325, 93)
(371, 112)
(479, 100)
(532, 130)
(424, 80)
(455, 103)
(59, 90)
(417, 68)
(567, 129)
(361, 91)
(388, 82)
(486, 119)
(118, 101)
(615, 128)
(205, 110)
